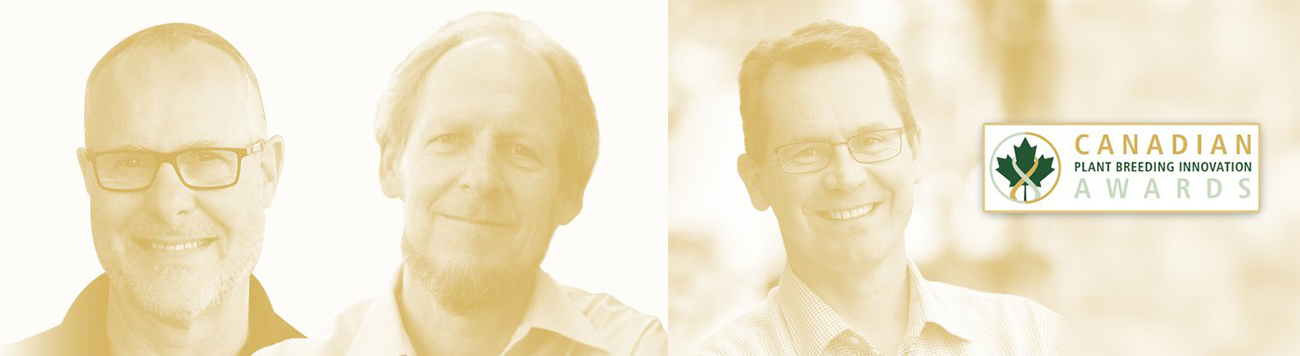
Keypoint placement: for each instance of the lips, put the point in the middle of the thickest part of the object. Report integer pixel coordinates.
(850, 213)
(477, 221)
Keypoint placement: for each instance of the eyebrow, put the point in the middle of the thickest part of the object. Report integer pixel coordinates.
(874, 126)
(186, 146)
(522, 135)
(199, 144)
(131, 147)
(508, 134)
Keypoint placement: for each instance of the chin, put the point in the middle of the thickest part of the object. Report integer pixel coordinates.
(179, 306)
(172, 294)
(849, 251)
(177, 294)
(466, 282)
(466, 285)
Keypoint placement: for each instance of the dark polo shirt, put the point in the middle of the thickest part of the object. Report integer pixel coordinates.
(84, 329)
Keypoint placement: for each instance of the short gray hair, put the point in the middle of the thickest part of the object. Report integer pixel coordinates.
(816, 42)
(580, 145)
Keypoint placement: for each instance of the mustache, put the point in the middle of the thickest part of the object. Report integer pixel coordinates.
(148, 227)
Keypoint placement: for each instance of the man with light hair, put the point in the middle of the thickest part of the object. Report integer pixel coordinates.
(179, 171)
(488, 135)
(831, 146)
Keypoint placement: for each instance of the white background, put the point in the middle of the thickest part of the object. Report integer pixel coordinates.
(331, 238)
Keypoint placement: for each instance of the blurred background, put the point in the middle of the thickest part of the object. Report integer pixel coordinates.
(1127, 284)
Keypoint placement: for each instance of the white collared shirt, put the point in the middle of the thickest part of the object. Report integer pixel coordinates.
(559, 320)
(943, 320)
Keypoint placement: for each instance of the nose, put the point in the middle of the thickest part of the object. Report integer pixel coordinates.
(843, 173)
(482, 175)
(168, 197)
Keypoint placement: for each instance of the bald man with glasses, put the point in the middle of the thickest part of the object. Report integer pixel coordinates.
(179, 171)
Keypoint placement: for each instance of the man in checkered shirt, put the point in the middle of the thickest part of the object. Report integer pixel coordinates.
(831, 146)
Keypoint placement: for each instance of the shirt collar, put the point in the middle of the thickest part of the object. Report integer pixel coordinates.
(551, 309)
(87, 318)
(381, 331)
(933, 309)
(265, 327)
(812, 323)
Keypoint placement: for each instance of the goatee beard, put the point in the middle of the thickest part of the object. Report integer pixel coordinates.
(469, 289)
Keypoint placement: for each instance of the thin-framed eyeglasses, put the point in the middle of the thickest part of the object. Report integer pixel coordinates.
(870, 147)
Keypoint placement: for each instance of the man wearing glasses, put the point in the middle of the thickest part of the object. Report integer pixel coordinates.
(831, 147)
(179, 171)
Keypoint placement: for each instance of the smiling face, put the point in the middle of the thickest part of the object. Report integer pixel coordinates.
(172, 250)
(848, 215)
(479, 173)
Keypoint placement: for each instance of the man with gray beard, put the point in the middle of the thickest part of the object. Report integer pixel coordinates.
(488, 135)
(179, 171)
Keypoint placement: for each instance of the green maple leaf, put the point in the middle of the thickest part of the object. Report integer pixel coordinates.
(1024, 159)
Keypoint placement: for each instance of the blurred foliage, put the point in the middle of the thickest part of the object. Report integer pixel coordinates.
(1128, 284)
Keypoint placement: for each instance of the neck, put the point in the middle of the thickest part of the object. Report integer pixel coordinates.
(219, 330)
(873, 300)
(436, 330)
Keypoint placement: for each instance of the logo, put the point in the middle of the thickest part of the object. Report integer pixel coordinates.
(1121, 167)
(1021, 165)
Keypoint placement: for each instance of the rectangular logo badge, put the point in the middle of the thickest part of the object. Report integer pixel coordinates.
(1135, 168)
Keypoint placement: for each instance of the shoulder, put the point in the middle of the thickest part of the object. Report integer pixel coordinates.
(970, 303)
(1003, 321)
(335, 339)
(623, 327)
(753, 333)
(80, 332)
(55, 341)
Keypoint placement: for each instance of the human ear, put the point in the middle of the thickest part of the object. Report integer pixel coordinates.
(390, 177)
(87, 170)
(271, 162)
(752, 175)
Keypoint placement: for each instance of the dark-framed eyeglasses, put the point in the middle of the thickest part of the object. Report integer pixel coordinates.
(871, 147)
(198, 168)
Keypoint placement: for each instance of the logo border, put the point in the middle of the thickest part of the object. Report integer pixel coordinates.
(983, 185)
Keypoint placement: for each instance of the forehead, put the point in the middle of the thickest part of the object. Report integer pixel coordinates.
(490, 81)
(163, 98)
(827, 100)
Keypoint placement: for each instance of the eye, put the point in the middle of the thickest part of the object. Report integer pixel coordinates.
(870, 142)
(448, 139)
(522, 151)
(524, 156)
(207, 157)
(870, 139)
(447, 143)
(130, 163)
(808, 152)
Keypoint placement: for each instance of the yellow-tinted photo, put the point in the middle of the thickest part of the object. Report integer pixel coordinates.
(830, 162)
(488, 136)
(179, 168)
